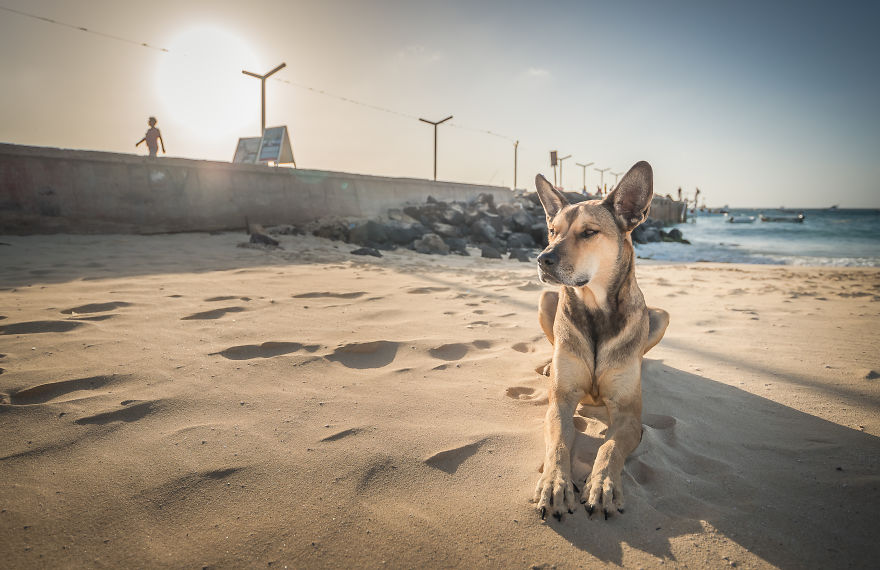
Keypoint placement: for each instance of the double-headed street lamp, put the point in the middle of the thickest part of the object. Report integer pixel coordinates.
(602, 183)
(435, 139)
(561, 183)
(584, 166)
(263, 79)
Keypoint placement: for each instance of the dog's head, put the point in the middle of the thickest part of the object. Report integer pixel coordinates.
(586, 238)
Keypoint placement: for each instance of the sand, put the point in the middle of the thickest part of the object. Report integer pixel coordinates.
(177, 401)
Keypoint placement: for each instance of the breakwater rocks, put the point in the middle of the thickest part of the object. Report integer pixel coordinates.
(515, 230)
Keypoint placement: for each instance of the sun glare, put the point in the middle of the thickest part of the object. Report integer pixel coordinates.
(202, 88)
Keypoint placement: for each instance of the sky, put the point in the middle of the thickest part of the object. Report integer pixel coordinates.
(759, 104)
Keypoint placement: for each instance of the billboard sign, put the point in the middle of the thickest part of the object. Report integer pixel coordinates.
(275, 146)
(247, 150)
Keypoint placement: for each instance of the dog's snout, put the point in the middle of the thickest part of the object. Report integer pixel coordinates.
(548, 259)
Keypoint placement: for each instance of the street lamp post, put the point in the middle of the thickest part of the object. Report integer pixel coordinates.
(515, 146)
(561, 183)
(435, 139)
(263, 79)
(616, 176)
(584, 167)
(602, 183)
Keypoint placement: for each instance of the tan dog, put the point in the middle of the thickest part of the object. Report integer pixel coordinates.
(599, 327)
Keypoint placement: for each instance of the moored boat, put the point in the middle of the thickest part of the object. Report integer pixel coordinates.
(741, 219)
(798, 219)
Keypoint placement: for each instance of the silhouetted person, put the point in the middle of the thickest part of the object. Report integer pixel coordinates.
(153, 138)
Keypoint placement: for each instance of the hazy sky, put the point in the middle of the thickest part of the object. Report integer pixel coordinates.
(756, 103)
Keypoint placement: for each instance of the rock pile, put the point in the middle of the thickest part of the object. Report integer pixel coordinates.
(517, 230)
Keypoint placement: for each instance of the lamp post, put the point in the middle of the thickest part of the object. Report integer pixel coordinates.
(435, 139)
(616, 176)
(515, 146)
(263, 79)
(560, 169)
(584, 166)
(602, 183)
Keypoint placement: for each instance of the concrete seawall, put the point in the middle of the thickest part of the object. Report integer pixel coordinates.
(48, 190)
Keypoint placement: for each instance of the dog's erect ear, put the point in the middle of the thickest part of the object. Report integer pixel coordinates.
(630, 201)
(551, 199)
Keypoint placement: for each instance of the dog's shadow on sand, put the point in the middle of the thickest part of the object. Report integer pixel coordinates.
(792, 489)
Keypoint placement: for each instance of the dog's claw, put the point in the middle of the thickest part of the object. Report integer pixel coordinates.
(589, 509)
(558, 516)
(543, 512)
(571, 512)
(606, 514)
(620, 511)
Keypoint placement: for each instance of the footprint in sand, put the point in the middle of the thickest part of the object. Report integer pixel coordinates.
(265, 350)
(425, 290)
(35, 327)
(449, 460)
(530, 286)
(215, 314)
(363, 355)
(54, 392)
(342, 434)
(328, 294)
(523, 347)
(96, 307)
(223, 298)
(135, 411)
(457, 350)
(527, 394)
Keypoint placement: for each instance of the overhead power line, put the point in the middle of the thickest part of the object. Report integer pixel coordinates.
(286, 81)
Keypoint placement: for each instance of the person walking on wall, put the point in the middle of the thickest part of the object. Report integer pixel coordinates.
(153, 138)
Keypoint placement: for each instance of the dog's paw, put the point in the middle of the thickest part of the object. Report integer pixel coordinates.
(555, 494)
(603, 493)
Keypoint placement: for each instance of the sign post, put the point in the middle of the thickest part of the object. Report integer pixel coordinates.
(247, 150)
(275, 146)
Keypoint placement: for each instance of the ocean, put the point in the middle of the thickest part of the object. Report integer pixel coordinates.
(844, 238)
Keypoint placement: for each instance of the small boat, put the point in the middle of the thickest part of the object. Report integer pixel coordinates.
(798, 219)
(741, 219)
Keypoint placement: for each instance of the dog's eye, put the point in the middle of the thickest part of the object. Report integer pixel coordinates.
(588, 233)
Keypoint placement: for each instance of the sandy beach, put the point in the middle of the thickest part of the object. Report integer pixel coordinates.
(178, 401)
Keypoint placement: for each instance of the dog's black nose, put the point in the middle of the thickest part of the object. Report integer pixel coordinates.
(548, 259)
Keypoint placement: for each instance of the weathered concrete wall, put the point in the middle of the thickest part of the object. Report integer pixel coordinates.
(668, 211)
(47, 190)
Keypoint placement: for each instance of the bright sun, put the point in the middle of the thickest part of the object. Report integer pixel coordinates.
(202, 88)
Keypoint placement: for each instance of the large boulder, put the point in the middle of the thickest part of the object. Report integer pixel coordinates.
(484, 201)
(453, 215)
(402, 233)
(522, 221)
(519, 240)
(483, 232)
(490, 252)
(519, 254)
(370, 233)
(337, 231)
(431, 243)
(457, 245)
(445, 230)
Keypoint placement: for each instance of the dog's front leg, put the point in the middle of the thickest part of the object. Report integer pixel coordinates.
(604, 488)
(555, 491)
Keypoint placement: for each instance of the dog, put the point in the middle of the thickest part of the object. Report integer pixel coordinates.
(600, 328)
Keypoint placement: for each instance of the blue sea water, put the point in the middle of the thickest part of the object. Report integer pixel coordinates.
(846, 238)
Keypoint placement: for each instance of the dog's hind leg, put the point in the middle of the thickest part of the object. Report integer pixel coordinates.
(547, 312)
(658, 320)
